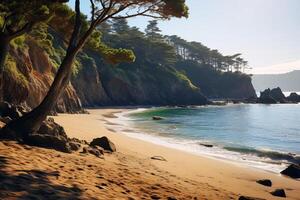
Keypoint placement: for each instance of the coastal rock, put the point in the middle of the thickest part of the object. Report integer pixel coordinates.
(278, 95)
(279, 193)
(294, 98)
(272, 96)
(98, 152)
(104, 143)
(265, 182)
(74, 146)
(157, 118)
(160, 158)
(206, 145)
(266, 98)
(48, 141)
(50, 135)
(292, 171)
(249, 198)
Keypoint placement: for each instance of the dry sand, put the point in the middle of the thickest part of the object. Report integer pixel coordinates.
(29, 172)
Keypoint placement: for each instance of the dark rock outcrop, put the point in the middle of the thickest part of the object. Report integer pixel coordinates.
(265, 182)
(104, 143)
(279, 193)
(292, 171)
(50, 135)
(273, 96)
(294, 98)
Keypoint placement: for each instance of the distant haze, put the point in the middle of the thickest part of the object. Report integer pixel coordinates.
(287, 82)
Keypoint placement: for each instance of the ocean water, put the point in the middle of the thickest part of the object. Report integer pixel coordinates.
(263, 136)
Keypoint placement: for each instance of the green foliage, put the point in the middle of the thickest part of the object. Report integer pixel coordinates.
(19, 42)
(152, 31)
(11, 68)
(111, 55)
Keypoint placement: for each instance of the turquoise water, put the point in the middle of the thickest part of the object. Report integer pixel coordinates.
(260, 131)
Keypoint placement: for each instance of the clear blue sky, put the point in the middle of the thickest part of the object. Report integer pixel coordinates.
(266, 32)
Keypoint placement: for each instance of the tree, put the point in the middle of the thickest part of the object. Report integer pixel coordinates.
(152, 31)
(101, 11)
(18, 18)
(120, 26)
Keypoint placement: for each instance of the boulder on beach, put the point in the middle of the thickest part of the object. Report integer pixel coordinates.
(265, 182)
(157, 118)
(104, 143)
(50, 135)
(279, 193)
(292, 171)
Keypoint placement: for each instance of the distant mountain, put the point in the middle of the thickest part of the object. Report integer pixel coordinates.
(287, 82)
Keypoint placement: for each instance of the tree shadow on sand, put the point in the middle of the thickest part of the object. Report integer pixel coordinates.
(33, 184)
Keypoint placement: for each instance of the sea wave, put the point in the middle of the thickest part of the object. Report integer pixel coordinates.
(274, 155)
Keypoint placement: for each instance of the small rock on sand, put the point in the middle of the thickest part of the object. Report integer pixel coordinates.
(94, 151)
(279, 193)
(265, 182)
(104, 143)
(158, 158)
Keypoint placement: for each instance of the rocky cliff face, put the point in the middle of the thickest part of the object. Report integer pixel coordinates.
(30, 71)
(99, 84)
(28, 75)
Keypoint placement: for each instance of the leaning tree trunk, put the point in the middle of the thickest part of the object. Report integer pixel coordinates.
(4, 47)
(31, 122)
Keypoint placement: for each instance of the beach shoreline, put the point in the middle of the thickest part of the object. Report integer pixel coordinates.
(227, 176)
(30, 172)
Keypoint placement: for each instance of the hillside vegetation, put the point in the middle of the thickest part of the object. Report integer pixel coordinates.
(121, 65)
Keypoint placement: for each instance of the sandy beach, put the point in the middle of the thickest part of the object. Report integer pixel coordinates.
(130, 173)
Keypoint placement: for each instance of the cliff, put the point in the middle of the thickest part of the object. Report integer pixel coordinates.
(28, 74)
(157, 77)
(216, 84)
(30, 70)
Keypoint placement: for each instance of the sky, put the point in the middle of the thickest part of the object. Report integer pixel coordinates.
(266, 32)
